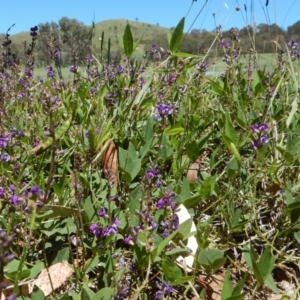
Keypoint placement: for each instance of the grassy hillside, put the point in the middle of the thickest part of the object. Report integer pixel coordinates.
(113, 29)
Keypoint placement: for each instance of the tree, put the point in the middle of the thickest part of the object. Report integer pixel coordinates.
(45, 30)
(75, 36)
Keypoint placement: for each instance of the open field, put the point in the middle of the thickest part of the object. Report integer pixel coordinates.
(268, 61)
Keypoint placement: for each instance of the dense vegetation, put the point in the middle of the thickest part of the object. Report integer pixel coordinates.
(147, 179)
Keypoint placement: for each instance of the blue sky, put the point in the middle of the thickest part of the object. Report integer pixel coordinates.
(166, 13)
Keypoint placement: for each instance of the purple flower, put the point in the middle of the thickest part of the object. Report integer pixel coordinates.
(12, 297)
(89, 59)
(2, 192)
(167, 288)
(202, 67)
(35, 190)
(5, 157)
(152, 173)
(259, 142)
(161, 203)
(36, 142)
(172, 79)
(39, 204)
(258, 128)
(159, 295)
(3, 142)
(73, 69)
(14, 200)
(95, 229)
(50, 72)
(127, 239)
(35, 28)
(164, 110)
(262, 141)
(102, 212)
(56, 54)
(110, 230)
(115, 222)
(175, 222)
(224, 44)
(292, 44)
(21, 133)
(165, 234)
(153, 225)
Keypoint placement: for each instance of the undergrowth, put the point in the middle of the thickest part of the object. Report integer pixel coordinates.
(99, 172)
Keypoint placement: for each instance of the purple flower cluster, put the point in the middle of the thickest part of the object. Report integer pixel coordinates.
(50, 72)
(165, 288)
(164, 110)
(166, 200)
(224, 44)
(258, 128)
(147, 219)
(169, 226)
(73, 69)
(54, 54)
(152, 173)
(202, 67)
(33, 31)
(293, 46)
(101, 232)
(259, 140)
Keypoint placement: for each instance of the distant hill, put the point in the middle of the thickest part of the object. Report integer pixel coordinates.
(112, 29)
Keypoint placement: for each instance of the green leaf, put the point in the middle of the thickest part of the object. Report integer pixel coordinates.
(211, 259)
(54, 211)
(177, 36)
(182, 279)
(191, 202)
(227, 286)
(174, 130)
(238, 289)
(207, 187)
(186, 55)
(297, 236)
(87, 294)
(231, 146)
(232, 167)
(63, 254)
(292, 113)
(185, 228)
(134, 167)
(176, 251)
(128, 41)
(192, 150)
(170, 270)
(36, 269)
(65, 297)
(103, 294)
(269, 281)
(251, 259)
(229, 128)
(266, 262)
(257, 82)
(37, 294)
(185, 192)
(91, 263)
